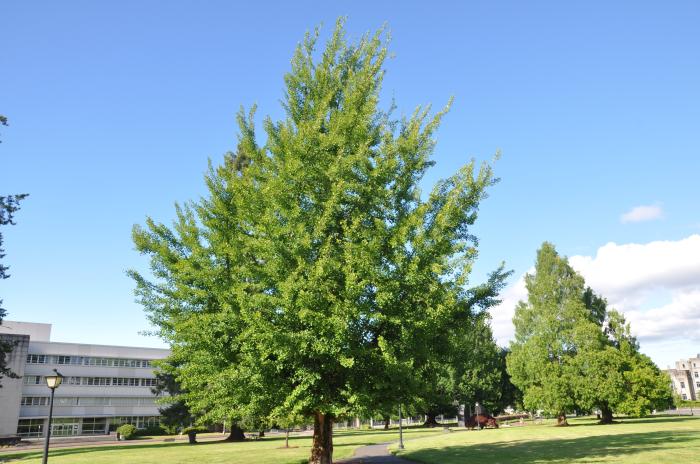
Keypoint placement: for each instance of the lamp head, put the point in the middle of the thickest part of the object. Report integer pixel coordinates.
(53, 381)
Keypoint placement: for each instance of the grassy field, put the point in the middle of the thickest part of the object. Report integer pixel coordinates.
(265, 451)
(639, 441)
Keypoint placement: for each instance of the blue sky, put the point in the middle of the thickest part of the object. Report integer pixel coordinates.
(115, 108)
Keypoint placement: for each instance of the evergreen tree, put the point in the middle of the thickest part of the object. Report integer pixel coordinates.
(551, 328)
(9, 205)
(571, 352)
(313, 279)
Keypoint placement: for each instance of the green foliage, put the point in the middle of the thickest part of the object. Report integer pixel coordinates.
(313, 264)
(573, 353)
(194, 429)
(551, 328)
(153, 430)
(127, 431)
(175, 414)
(9, 205)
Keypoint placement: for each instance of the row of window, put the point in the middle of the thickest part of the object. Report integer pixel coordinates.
(96, 381)
(697, 384)
(86, 361)
(88, 401)
(63, 427)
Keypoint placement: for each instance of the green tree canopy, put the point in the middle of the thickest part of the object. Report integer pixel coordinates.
(571, 352)
(314, 279)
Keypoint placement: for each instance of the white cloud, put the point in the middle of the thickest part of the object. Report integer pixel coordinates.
(642, 213)
(656, 285)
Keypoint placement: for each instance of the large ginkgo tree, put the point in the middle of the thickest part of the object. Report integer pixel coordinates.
(314, 279)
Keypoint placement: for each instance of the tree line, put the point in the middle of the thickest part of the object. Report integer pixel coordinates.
(314, 282)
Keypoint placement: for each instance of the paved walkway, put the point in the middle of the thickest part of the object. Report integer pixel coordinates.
(374, 454)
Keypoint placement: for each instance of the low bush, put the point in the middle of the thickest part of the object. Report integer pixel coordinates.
(127, 431)
(153, 430)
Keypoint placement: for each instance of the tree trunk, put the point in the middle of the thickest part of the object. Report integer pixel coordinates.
(286, 439)
(387, 419)
(430, 420)
(236, 433)
(561, 420)
(606, 415)
(261, 434)
(192, 438)
(322, 446)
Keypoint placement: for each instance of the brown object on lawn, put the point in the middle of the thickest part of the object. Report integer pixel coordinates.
(481, 421)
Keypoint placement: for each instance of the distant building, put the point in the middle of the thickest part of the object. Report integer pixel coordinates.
(685, 378)
(103, 386)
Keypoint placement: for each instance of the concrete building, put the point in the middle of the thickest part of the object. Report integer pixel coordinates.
(685, 378)
(103, 386)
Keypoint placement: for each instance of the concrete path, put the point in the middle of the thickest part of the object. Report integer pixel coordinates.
(374, 454)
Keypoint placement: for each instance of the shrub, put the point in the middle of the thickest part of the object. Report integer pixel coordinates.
(153, 430)
(127, 431)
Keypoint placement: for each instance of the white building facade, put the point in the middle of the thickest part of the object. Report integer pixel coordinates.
(103, 386)
(685, 378)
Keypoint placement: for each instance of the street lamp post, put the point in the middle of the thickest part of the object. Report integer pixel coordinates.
(400, 429)
(52, 381)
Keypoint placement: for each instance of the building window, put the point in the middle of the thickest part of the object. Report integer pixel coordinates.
(35, 400)
(36, 359)
(32, 380)
(148, 382)
(697, 374)
(30, 428)
(140, 422)
(682, 384)
(697, 384)
(685, 397)
(94, 425)
(62, 401)
(65, 427)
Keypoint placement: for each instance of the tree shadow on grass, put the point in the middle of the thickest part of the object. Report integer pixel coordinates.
(587, 449)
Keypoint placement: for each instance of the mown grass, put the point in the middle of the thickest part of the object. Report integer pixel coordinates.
(638, 441)
(269, 450)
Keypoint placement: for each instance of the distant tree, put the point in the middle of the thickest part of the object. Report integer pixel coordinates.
(317, 264)
(287, 422)
(571, 352)
(551, 327)
(621, 379)
(477, 368)
(9, 205)
(3, 122)
(508, 394)
(174, 414)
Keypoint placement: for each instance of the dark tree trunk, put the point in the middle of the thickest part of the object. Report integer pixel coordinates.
(322, 446)
(261, 434)
(192, 438)
(430, 420)
(236, 433)
(387, 419)
(606, 415)
(561, 420)
(286, 439)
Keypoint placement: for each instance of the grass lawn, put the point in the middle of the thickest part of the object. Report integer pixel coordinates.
(265, 451)
(639, 441)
